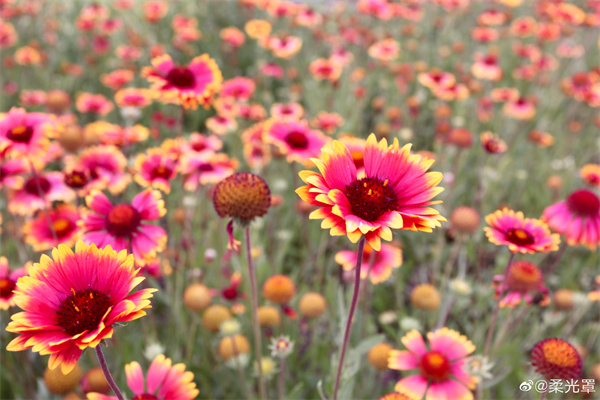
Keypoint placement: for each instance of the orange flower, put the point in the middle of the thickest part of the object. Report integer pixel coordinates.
(258, 28)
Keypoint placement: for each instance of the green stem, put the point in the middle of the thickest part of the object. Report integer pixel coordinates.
(359, 257)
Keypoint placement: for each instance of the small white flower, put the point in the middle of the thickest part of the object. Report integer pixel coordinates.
(458, 121)
(230, 327)
(281, 347)
(479, 366)
(153, 350)
(406, 134)
(460, 287)
(131, 115)
(409, 323)
(280, 185)
(388, 317)
(239, 361)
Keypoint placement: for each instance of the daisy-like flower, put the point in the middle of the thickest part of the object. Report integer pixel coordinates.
(486, 67)
(156, 169)
(26, 134)
(520, 234)
(106, 167)
(295, 139)
(394, 193)
(63, 218)
(257, 153)
(442, 372)
(117, 79)
(287, 110)
(323, 68)
(520, 109)
(283, 46)
(133, 97)
(116, 135)
(189, 85)
(164, 381)
(93, 103)
(38, 191)
(121, 226)
(232, 36)
(556, 359)
(436, 78)
(239, 89)
(383, 261)
(522, 280)
(258, 28)
(221, 125)
(385, 50)
(10, 172)
(590, 173)
(8, 283)
(71, 301)
(492, 143)
(327, 122)
(281, 346)
(577, 218)
(203, 144)
(203, 170)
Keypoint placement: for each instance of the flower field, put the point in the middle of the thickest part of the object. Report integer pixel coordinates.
(271, 199)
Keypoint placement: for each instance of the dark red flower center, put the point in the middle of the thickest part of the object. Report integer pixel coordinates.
(6, 287)
(584, 202)
(370, 198)
(20, 133)
(520, 237)
(122, 220)
(181, 77)
(162, 172)
(230, 293)
(76, 179)
(297, 140)
(31, 186)
(82, 311)
(199, 146)
(145, 396)
(435, 366)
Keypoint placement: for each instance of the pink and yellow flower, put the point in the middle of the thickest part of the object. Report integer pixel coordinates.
(492, 143)
(232, 36)
(436, 78)
(295, 139)
(117, 78)
(26, 134)
(122, 226)
(287, 111)
(203, 144)
(379, 268)
(133, 97)
(10, 172)
(239, 89)
(116, 135)
(486, 67)
(64, 219)
(106, 167)
(93, 103)
(283, 46)
(577, 218)
(385, 50)
(38, 192)
(327, 122)
(395, 192)
(189, 85)
(323, 68)
(156, 169)
(590, 173)
(203, 170)
(8, 283)
(257, 153)
(71, 301)
(523, 279)
(441, 369)
(520, 234)
(163, 382)
(520, 109)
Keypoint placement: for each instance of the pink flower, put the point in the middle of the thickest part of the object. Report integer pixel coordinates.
(442, 373)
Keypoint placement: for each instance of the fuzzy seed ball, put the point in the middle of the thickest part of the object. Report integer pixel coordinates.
(57, 101)
(71, 138)
(227, 348)
(179, 216)
(312, 305)
(425, 297)
(378, 356)
(556, 359)
(465, 220)
(563, 299)
(279, 289)
(58, 383)
(243, 196)
(95, 381)
(196, 297)
(214, 316)
(269, 316)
